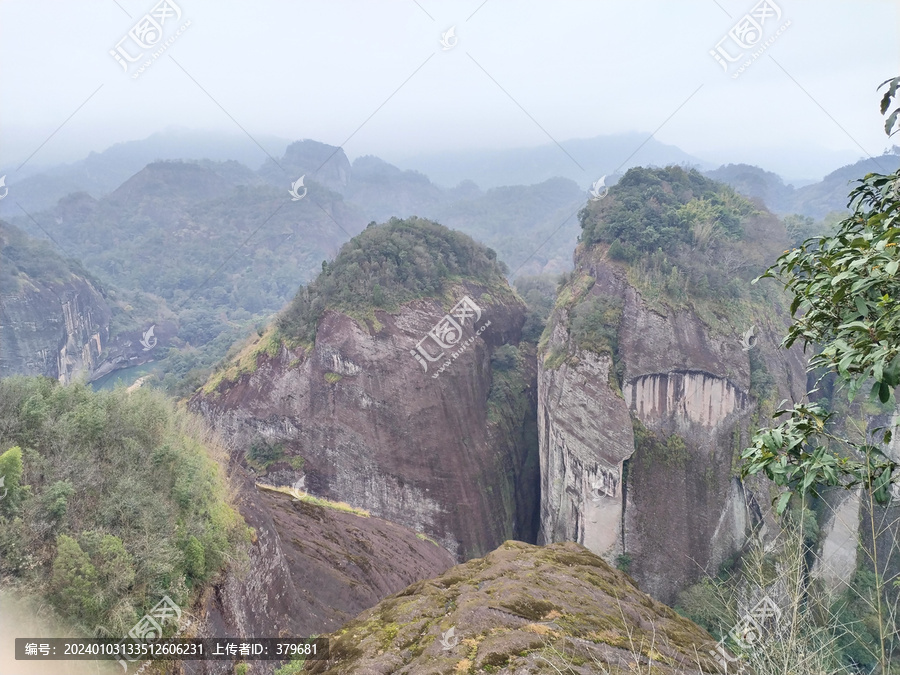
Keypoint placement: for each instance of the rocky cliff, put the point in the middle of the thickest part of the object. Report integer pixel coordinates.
(312, 567)
(647, 389)
(421, 413)
(54, 319)
(521, 609)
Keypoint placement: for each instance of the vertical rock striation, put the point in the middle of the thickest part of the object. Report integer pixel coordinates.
(645, 400)
(53, 321)
(400, 412)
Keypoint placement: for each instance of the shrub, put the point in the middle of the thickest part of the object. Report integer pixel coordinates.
(595, 325)
(55, 499)
(261, 453)
(505, 357)
(10, 478)
(385, 266)
(124, 502)
(73, 581)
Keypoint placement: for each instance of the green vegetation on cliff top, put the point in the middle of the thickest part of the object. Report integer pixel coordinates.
(687, 242)
(649, 209)
(387, 265)
(24, 259)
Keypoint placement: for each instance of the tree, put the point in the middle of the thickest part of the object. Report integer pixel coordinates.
(114, 564)
(10, 479)
(74, 579)
(846, 291)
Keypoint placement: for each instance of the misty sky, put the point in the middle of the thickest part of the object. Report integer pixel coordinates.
(519, 74)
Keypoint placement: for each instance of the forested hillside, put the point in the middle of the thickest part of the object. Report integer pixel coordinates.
(111, 501)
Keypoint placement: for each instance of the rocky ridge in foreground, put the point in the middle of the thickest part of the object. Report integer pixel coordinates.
(521, 609)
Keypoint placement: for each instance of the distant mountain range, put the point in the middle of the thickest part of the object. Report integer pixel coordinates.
(100, 173)
(215, 246)
(582, 160)
(420, 182)
(815, 200)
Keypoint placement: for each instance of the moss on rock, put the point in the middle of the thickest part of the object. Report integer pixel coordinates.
(521, 609)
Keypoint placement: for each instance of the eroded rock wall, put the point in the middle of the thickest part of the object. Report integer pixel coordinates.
(436, 454)
(639, 449)
(310, 569)
(56, 329)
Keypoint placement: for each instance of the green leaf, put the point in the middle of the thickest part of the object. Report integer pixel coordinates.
(856, 325)
(884, 392)
(891, 120)
(889, 94)
(782, 503)
(892, 372)
(840, 277)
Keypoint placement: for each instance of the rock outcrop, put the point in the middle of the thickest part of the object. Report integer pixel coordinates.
(640, 439)
(54, 321)
(325, 164)
(312, 567)
(378, 432)
(419, 429)
(521, 609)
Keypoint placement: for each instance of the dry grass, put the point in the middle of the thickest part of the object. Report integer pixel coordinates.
(317, 501)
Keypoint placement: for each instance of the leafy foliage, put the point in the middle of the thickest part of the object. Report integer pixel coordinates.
(505, 357)
(803, 228)
(262, 453)
(762, 383)
(651, 209)
(595, 324)
(23, 258)
(845, 288)
(686, 241)
(539, 293)
(385, 266)
(11, 476)
(652, 448)
(122, 503)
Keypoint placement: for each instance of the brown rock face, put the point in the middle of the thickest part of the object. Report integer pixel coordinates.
(649, 470)
(435, 451)
(312, 568)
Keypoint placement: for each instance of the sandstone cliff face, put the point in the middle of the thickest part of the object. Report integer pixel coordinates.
(311, 569)
(55, 319)
(56, 329)
(649, 470)
(434, 451)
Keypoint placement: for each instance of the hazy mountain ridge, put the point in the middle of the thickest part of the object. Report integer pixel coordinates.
(184, 227)
(100, 173)
(583, 160)
(184, 230)
(816, 200)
